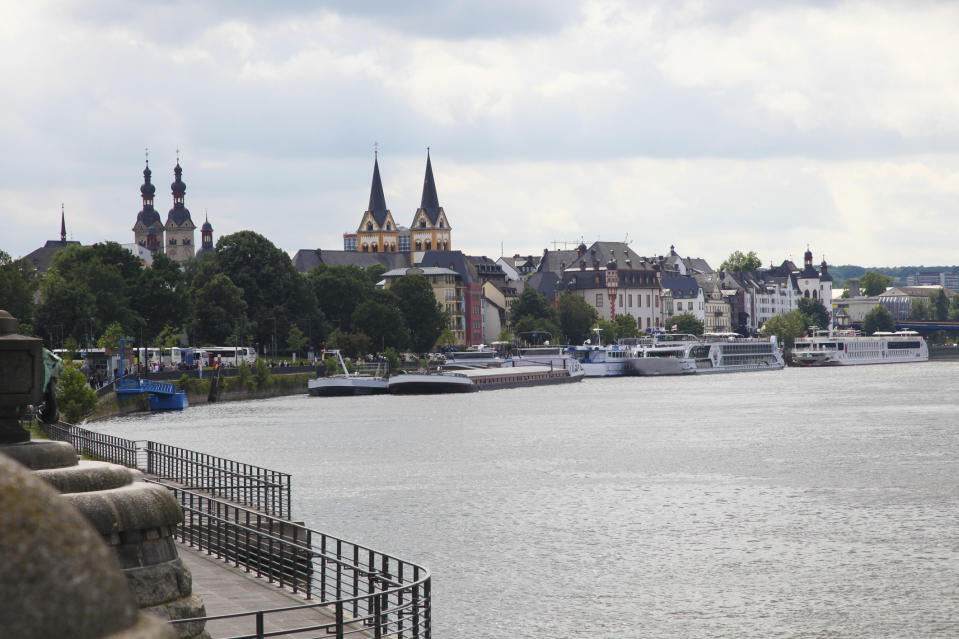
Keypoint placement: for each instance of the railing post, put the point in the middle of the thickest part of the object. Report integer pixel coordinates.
(259, 624)
(339, 619)
(377, 621)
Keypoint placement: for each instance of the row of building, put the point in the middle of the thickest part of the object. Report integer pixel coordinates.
(477, 292)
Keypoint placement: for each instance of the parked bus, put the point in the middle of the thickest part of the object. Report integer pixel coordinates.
(228, 355)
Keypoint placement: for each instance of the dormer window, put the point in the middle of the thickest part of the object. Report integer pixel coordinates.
(369, 226)
(441, 224)
(388, 226)
(422, 224)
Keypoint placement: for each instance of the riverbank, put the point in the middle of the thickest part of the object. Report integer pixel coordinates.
(227, 389)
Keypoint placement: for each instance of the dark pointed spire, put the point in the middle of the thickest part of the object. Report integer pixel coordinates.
(429, 201)
(63, 225)
(377, 205)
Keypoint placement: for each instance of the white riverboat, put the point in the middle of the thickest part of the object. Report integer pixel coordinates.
(362, 381)
(731, 353)
(665, 354)
(598, 360)
(849, 348)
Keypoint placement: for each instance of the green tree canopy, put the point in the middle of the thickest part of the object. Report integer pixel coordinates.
(532, 304)
(815, 312)
(220, 306)
(939, 304)
(878, 319)
(686, 323)
(424, 317)
(626, 326)
(576, 318)
(17, 285)
(739, 262)
(537, 331)
(873, 283)
(276, 295)
(786, 328)
(161, 298)
(74, 395)
(338, 291)
(383, 323)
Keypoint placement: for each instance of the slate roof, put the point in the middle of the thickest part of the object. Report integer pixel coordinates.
(149, 216)
(179, 214)
(552, 261)
(682, 287)
(544, 283)
(377, 206)
(454, 260)
(41, 257)
(306, 259)
(430, 203)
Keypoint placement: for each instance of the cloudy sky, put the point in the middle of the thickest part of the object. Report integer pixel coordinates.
(713, 126)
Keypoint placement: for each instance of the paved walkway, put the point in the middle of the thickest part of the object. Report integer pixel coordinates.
(226, 589)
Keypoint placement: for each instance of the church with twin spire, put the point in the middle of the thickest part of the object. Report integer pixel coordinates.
(176, 237)
(379, 233)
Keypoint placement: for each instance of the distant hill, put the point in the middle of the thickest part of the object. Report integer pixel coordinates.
(898, 273)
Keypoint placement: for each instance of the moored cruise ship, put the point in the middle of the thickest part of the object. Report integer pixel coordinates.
(849, 348)
(665, 354)
(730, 353)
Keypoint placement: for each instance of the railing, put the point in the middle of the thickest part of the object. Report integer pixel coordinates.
(251, 486)
(96, 445)
(363, 590)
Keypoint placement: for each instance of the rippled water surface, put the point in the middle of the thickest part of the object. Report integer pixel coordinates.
(799, 503)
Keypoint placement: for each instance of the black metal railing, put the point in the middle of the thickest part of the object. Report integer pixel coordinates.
(251, 486)
(362, 589)
(96, 445)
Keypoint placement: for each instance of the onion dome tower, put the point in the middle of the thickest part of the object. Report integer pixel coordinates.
(206, 238)
(377, 232)
(148, 220)
(430, 229)
(179, 224)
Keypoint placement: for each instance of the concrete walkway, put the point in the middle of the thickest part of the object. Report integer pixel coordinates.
(226, 589)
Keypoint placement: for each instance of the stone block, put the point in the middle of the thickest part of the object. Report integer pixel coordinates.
(136, 507)
(40, 455)
(87, 476)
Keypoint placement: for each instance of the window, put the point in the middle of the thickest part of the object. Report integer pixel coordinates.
(419, 245)
(599, 300)
(629, 299)
(388, 227)
(376, 248)
(657, 301)
(441, 224)
(648, 305)
(428, 245)
(422, 224)
(172, 241)
(369, 226)
(621, 300)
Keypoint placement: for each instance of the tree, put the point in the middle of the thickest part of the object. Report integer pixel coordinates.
(815, 312)
(76, 399)
(918, 309)
(383, 323)
(339, 290)
(274, 291)
(939, 305)
(626, 326)
(537, 331)
(686, 323)
(424, 317)
(17, 285)
(532, 304)
(296, 340)
(786, 328)
(874, 283)
(739, 262)
(878, 319)
(375, 273)
(219, 306)
(161, 298)
(576, 317)
(111, 337)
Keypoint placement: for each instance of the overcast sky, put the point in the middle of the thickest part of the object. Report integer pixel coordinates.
(713, 126)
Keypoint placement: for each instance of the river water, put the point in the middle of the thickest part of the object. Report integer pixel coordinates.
(799, 503)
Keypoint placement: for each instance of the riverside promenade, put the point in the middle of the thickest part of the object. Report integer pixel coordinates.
(227, 590)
